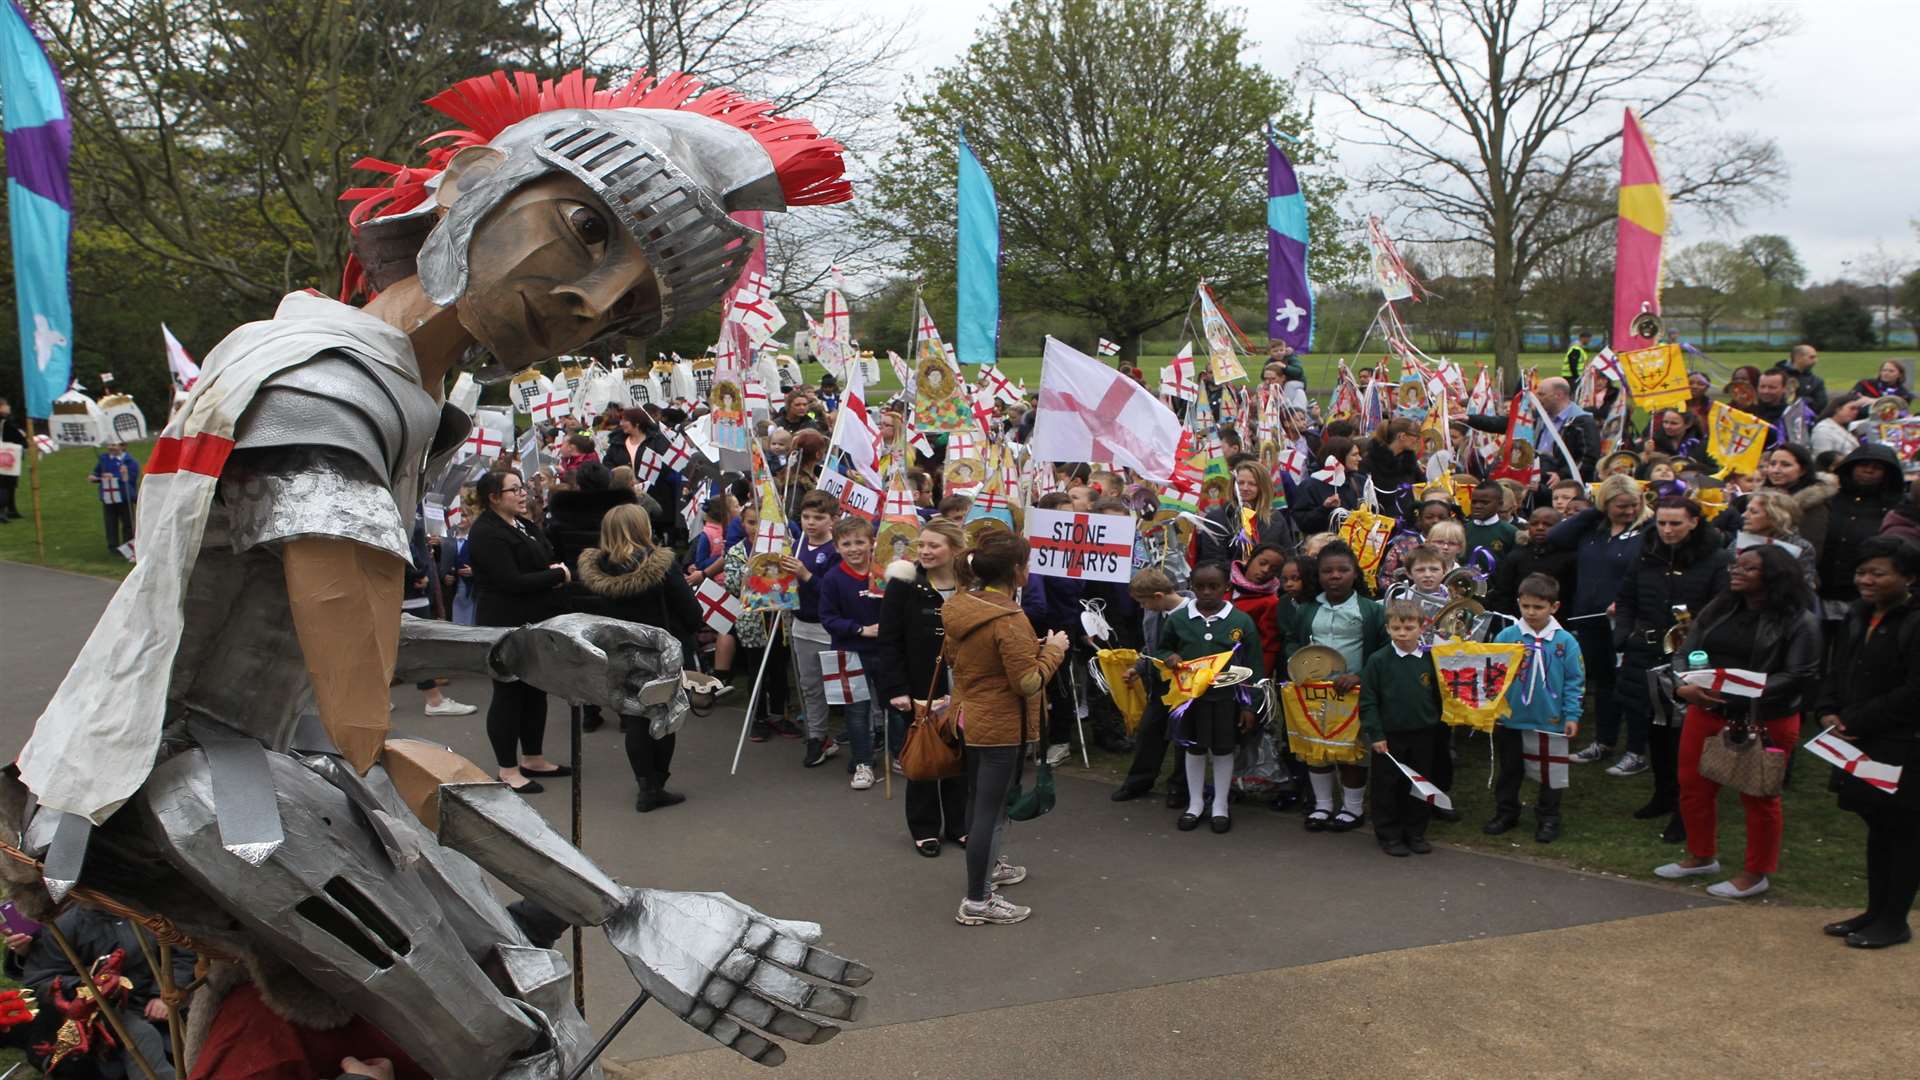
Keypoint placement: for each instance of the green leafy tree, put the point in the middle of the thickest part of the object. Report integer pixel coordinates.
(1123, 139)
(217, 135)
(1844, 325)
(1711, 280)
(1908, 297)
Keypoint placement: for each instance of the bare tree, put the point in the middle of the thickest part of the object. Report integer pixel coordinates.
(842, 75)
(1880, 271)
(1492, 112)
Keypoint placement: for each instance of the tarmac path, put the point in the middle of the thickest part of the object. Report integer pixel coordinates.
(1153, 952)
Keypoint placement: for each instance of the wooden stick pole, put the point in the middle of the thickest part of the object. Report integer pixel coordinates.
(105, 1008)
(33, 481)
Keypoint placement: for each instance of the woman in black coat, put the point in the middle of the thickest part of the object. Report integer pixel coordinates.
(1682, 563)
(1235, 535)
(912, 633)
(1392, 463)
(1870, 485)
(516, 581)
(1315, 500)
(573, 517)
(1765, 623)
(628, 578)
(1868, 700)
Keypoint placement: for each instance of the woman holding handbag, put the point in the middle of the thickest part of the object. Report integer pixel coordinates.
(912, 635)
(1868, 701)
(999, 672)
(1764, 623)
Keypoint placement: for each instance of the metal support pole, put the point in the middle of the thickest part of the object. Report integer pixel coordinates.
(578, 717)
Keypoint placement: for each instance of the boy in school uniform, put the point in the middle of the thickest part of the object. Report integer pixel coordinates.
(814, 556)
(1488, 527)
(1400, 715)
(851, 614)
(1158, 599)
(1545, 698)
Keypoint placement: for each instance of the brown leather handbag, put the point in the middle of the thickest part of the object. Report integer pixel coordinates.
(932, 749)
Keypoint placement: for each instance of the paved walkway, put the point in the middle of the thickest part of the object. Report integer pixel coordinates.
(1146, 943)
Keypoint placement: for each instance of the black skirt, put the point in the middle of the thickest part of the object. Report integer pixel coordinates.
(1211, 725)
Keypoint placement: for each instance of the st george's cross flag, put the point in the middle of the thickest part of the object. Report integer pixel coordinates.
(1423, 787)
(1543, 750)
(845, 679)
(721, 608)
(1091, 412)
(1848, 758)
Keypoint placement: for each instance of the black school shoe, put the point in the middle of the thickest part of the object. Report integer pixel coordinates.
(1441, 813)
(1396, 848)
(1187, 822)
(1501, 823)
(1880, 937)
(1849, 926)
(1222, 823)
(1675, 832)
(1419, 845)
(1547, 831)
(1343, 821)
(1131, 789)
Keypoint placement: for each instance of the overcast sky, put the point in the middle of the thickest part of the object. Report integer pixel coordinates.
(1838, 96)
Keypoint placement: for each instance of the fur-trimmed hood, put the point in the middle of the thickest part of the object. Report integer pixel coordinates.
(603, 577)
(1823, 487)
(903, 570)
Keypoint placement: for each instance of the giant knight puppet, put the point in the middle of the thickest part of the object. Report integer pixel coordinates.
(217, 763)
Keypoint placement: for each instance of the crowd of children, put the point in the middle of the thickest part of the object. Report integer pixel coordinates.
(1345, 559)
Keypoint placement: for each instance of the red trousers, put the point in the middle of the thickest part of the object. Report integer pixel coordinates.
(1699, 796)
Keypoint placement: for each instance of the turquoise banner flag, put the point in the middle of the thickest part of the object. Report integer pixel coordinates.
(978, 282)
(39, 140)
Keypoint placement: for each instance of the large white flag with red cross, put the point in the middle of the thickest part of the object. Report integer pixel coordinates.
(1090, 412)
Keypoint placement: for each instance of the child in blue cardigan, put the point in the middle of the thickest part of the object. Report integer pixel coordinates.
(1545, 698)
(851, 614)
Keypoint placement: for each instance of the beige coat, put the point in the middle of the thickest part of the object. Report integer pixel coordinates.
(999, 668)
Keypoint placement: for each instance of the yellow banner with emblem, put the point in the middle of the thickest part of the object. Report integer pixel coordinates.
(1474, 680)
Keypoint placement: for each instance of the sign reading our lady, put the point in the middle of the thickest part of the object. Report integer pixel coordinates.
(1091, 547)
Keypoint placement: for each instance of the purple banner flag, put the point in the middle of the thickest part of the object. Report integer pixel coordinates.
(1289, 296)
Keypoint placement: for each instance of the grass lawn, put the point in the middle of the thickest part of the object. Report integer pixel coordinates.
(1822, 858)
(1840, 370)
(70, 507)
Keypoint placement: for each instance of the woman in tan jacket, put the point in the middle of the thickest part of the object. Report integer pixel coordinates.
(998, 670)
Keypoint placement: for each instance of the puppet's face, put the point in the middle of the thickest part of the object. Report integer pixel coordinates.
(551, 269)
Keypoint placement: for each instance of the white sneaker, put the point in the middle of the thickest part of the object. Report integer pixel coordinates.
(1673, 871)
(1727, 890)
(450, 707)
(1005, 873)
(862, 777)
(1057, 754)
(1630, 764)
(995, 909)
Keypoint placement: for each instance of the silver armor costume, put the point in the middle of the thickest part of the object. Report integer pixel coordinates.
(275, 844)
(230, 814)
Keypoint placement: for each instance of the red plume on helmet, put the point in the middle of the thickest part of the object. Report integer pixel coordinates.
(809, 165)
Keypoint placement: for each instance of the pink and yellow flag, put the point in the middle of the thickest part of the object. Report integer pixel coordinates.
(1642, 229)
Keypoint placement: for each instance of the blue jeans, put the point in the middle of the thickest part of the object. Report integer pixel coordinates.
(860, 726)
